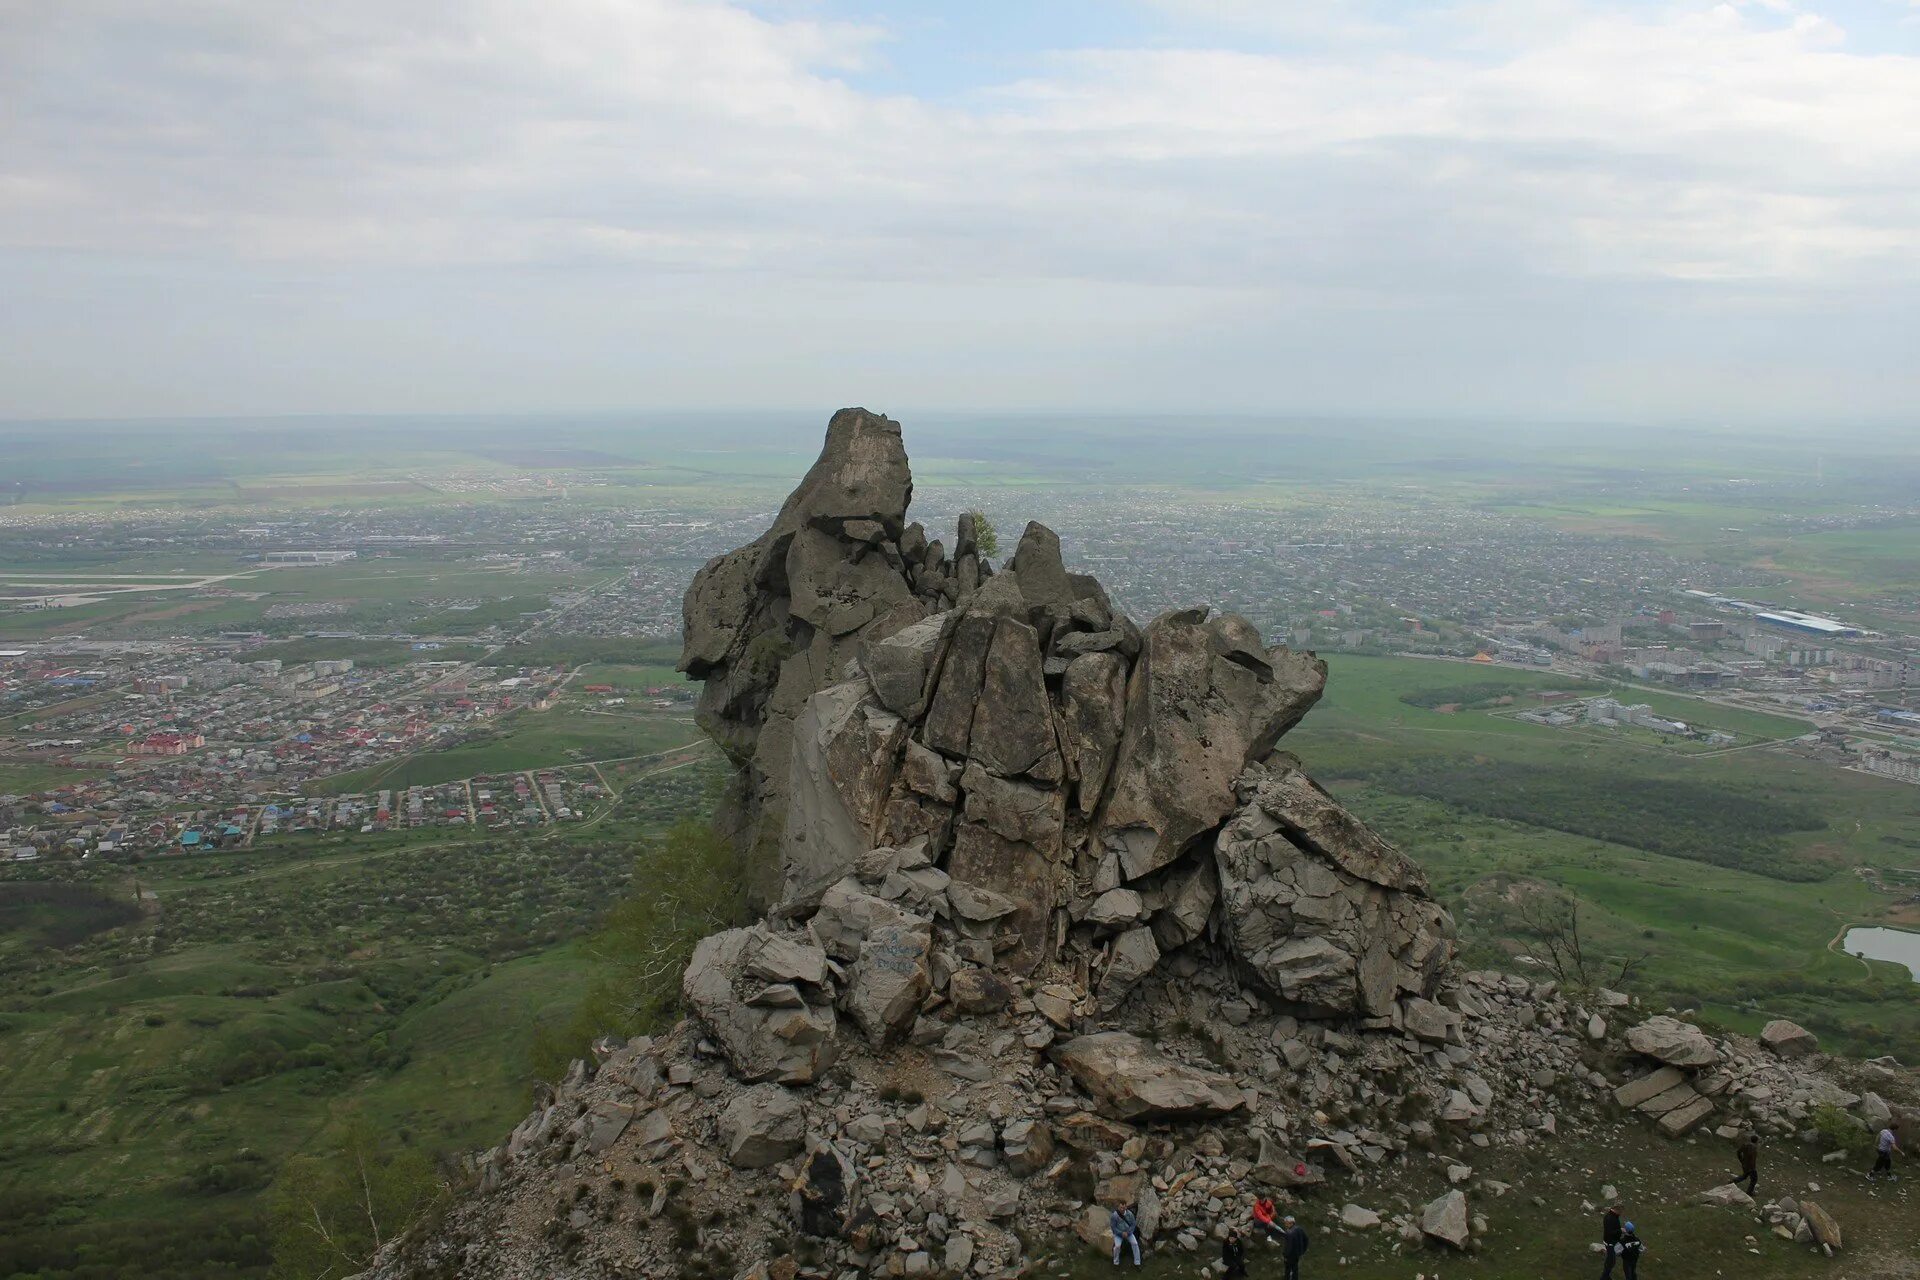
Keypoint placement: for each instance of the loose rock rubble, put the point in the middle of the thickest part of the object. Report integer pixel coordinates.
(1052, 926)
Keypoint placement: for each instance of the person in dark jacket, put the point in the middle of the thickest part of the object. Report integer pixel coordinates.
(1610, 1237)
(1233, 1256)
(1630, 1248)
(1749, 1154)
(1296, 1241)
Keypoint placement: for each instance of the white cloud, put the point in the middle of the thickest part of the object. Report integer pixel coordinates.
(1502, 148)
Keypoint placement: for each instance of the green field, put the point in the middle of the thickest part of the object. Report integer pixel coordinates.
(529, 740)
(1740, 945)
(25, 779)
(155, 1075)
(398, 593)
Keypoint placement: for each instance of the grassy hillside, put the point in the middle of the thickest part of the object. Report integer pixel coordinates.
(1740, 926)
(156, 1074)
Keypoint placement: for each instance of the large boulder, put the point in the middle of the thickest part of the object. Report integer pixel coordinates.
(1301, 920)
(846, 748)
(1130, 1079)
(1092, 787)
(763, 1126)
(1205, 700)
(1789, 1039)
(890, 978)
(788, 1042)
(1826, 1231)
(1676, 1043)
(1445, 1219)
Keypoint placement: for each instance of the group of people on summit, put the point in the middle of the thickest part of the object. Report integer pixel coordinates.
(1620, 1241)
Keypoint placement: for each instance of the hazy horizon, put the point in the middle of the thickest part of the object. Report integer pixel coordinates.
(1634, 211)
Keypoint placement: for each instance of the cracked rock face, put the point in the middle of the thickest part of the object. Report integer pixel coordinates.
(1053, 787)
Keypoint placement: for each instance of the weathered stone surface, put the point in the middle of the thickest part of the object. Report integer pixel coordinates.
(1134, 955)
(978, 991)
(1725, 1196)
(1180, 899)
(1315, 821)
(1012, 730)
(1028, 1145)
(1445, 1219)
(1789, 1039)
(1092, 711)
(791, 1045)
(1826, 1231)
(1636, 1092)
(1131, 1079)
(786, 958)
(1043, 578)
(949, 723)
(606, 1121)
(772, 623)
(1029, 877)
(1671, 1041)
(1686, 1117)
(847, 915)
(890, 978)
(1015, 811)
(1306, 928)
(845, 749)
(1205, 700)
(763, 1126)
(1033, 746)
(900, 666)
(1430, 1022)
(1116, 907)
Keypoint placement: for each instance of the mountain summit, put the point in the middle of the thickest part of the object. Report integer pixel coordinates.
(1088, 795)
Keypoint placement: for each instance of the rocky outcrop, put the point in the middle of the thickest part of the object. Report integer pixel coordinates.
(1116, 787)
(1789, 1039)
(1054, 927)
(1132, 1080)
(742, 985)
(1676, 1043)
(1318, 910)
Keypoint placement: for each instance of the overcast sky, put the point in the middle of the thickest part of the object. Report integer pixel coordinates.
(1641, 210)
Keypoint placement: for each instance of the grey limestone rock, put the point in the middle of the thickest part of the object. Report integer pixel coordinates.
(790, 1044)
(1064, 780)
(1204, 701)
(1131, 1079)
(1445, 1219)
(763, 1126)
(1308, 929)
(1789, 1039)
(1676, 1043)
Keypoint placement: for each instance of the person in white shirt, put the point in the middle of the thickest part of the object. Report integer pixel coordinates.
(1888, 1145)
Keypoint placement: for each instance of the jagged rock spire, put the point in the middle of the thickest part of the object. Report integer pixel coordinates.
(1012, 734)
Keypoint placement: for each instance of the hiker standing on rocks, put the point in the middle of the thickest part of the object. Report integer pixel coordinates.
(1233, 1256)
(1630, 1248)
(1125, 1225)
(1296, 1238)
(1610, 1238)
(1885, 1150)
(1749, 1162)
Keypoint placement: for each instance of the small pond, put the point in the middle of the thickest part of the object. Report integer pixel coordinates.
(1878, 943)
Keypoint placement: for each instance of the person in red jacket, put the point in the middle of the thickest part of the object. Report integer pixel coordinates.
(1263, 1218)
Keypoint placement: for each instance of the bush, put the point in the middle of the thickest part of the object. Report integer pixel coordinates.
(330, 1213)
(687, 883)
(1838, 1131)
